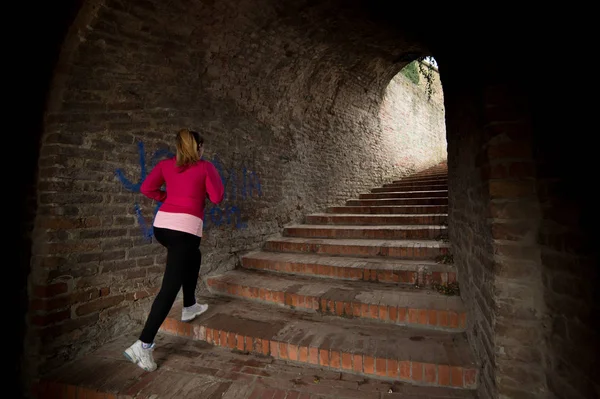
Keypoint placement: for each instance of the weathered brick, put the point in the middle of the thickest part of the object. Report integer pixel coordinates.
(100, 233)
(46, 291)
(72, 247)
(511, 188)
(63, 301)
(513, 231)
(118, 265)
(99, 304)
(50, 318)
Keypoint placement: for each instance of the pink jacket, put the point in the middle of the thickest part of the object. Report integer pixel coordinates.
(186, 188)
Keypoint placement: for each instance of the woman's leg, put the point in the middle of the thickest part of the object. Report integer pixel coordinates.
(179, 249)
(190, 280)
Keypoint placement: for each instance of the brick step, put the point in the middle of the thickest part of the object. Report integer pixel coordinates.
(392, 232)
(418, 179)
(193, 369)
(438, 175)
(378, 302)
(437, 172)
(418, 356)
(417, 183)
(405, 249)
(403, 201)
(410, 187)
(389, 210)
(366, 219)
(404, 194)
(386, 270)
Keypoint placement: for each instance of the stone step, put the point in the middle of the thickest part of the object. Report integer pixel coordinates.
(410, 187)
(378, 302)
(192, 369)
(386, 270)
(389, 210)
(392, 232)
(376, 350)
(366, 219)
(405, 249)
(405, 194)
(403, 201)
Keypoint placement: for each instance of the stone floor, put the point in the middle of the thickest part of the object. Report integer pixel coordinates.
(195, 369)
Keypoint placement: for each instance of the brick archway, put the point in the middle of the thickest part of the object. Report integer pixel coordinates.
(303, 82)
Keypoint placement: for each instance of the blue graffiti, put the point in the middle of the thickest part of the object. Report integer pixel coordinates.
(239, 186)
(220, 216)
(250, 181)
(246, 182)
(135, 187)
(147, 230)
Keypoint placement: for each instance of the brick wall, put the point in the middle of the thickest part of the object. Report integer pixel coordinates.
(493, 219)
(565, 175)
(469, 230)
(291, 119)
(521, 242)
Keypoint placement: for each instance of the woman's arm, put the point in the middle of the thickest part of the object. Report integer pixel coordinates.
(214, 184)
(154, 181)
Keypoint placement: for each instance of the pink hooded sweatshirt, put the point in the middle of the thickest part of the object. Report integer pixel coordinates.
(186, 191)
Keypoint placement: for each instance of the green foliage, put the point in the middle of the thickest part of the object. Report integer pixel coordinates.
(427, 71)
(446, 289)
(411, 71)
(446, 259)
(421, 67)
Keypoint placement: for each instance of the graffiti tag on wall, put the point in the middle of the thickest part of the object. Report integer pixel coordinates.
(147, 231)
(240, 184)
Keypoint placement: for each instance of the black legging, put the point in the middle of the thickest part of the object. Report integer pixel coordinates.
(183, 266)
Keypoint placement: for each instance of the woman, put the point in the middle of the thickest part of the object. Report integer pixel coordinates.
(178, 227)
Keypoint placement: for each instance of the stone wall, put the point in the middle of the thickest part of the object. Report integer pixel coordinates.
(414, 124)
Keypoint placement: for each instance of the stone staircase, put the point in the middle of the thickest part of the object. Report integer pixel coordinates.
(351, 290)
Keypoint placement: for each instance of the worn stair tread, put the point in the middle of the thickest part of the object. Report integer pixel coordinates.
(399, 189)
(381, 216)
(405, 183)
(363, 242)
(420, 180)
(192, 369)
(413, 191)
(376, 263)
(365, 227)
(354, 336)
(404, 194)
(434, 176)
(395, 199)
(398, 207)
(410, 210)
(379, 294)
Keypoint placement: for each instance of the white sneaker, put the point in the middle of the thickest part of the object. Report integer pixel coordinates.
(191, 312)
(140, 356)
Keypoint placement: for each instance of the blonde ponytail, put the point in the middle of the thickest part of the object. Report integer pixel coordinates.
(188, 145)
